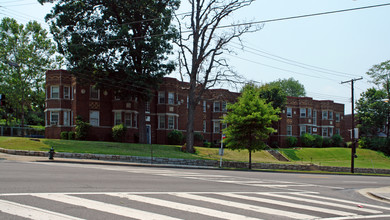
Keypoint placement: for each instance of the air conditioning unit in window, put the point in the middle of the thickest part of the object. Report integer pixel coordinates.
(53, 123)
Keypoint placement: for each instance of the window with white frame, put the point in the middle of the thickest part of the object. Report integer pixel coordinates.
(337, 131)
(128, 119)
(289, 112)
(303, 112)
(204, 106)
(161, 97)
(224, 125)
(302, 129)
(330, 115)
(217, 127)
(337, 117)
(330, 132)
(66, 92)
(217, 107)
(171, 98)
(147, 107)
(55, 92)
(161, 121)
(325, 132)
(289, 130)
(309, 112)
(171, 122)
(54, 118)
(324, 115)
(224, 107)
(118, 118)
(66, 118)
(309, 129)
(204, 126)
(135, 120)
(94, 93)
(314, 117)
(94, 118)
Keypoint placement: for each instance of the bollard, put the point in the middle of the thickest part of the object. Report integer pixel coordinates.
(51, 153)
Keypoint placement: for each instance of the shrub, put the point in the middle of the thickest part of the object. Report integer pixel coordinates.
(206, 144)
(318, 140)
(337, 140)
(291, 141)
(198, 136)
(64, 135)
(327, 142)
(82, 129)
(119, 132)
(71, 135)
(175, 137)
(307, 140)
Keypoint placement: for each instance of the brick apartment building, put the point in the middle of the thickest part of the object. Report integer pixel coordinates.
(167, 111)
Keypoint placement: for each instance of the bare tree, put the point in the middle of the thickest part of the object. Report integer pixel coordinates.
(203, 40)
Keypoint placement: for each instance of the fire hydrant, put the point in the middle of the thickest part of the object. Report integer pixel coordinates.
(51, 153)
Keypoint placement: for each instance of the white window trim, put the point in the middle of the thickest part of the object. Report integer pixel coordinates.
(69, 91)
(287, 112)
(161, 95)
(161, 121)
(115, 117)
(217, 105)
(287, 131)
(171, 98)
(90, 93)
(173, 122)
(51, 117)
(98, 118)
(51, 92)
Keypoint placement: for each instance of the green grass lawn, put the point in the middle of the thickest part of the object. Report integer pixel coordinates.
(320, 156)
(338, 157)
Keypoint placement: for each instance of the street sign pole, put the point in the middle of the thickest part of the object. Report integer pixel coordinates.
(221, 150)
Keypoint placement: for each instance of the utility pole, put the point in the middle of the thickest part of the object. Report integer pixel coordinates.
(353, 148)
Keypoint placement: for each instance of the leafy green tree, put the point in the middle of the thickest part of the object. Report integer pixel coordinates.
(372, 112)
(290, 86)
(115, 44)
(249, 122)
(25, 54)
(307, 140)
(273, 94)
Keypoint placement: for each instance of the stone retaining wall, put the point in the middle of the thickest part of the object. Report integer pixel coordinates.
(187, 162)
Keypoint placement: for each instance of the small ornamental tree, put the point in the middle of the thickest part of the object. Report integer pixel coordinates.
(81, 129)
(119, 132)
(249, 122)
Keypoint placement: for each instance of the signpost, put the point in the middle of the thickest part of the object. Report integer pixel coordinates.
(221, 150)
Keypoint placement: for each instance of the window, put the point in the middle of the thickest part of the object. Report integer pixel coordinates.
(325, 132)
(309, 112)
(337, 130)
(55, 92)
(135, 120)
(94, 118)
(217, 107)
(204, 106)
(330, 115)
(171, 98)
(171, 122)
(303, 112)
(54, 118)
(66, 92)
(337, 117)
(188, 101)
(217, 127)
(161, 97)
(302, 129)
(314, 117)
(94, 93)
(309, 130)
(204, 126)
(161, 121)
(324, 115)
(224, 107)
(289, 130)
(147, 107)
(330, 132)
(289, 112)
(128, 121)
(224, 125)
(118, 118)
(66, 118)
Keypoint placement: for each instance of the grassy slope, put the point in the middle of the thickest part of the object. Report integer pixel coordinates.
(339, 157)
(319, 156)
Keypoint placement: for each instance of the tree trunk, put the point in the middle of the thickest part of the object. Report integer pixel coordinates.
(250, 159)
(142, 122)
(190, 129)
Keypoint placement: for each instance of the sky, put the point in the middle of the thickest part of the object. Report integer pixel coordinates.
(318, 51)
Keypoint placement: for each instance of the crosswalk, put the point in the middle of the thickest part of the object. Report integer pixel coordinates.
(184, 205)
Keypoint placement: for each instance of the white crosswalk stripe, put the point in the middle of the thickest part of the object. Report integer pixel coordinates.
(31, 212)
(237, 205)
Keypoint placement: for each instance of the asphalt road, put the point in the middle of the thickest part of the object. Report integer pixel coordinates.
(52, 190)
